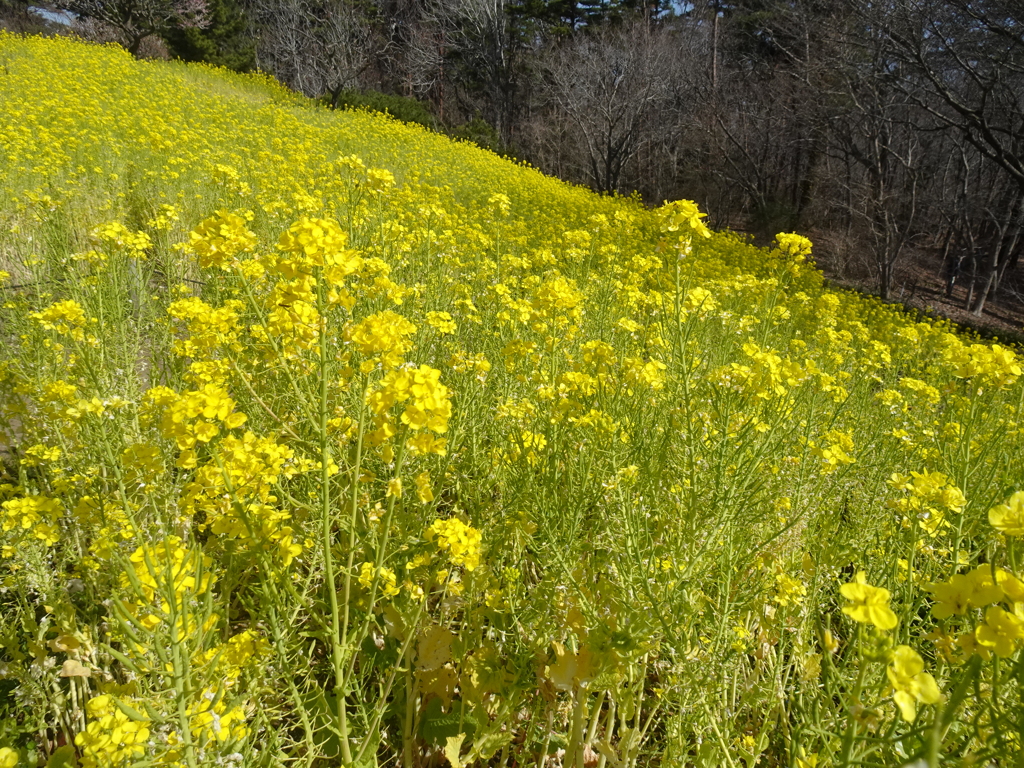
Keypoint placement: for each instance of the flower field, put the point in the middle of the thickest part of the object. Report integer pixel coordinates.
(326, 441)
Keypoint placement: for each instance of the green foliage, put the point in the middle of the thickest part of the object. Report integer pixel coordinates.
(483, 134)
(224, 43)
(406, 109)
(437, 725)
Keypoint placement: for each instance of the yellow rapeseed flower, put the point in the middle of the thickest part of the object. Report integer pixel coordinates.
(870, 605)
(1001, 632)
(1008, 517)
(910, 682)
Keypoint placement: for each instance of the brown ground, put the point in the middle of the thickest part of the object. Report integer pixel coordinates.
(920, 284)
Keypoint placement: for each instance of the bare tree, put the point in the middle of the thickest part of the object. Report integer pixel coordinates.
(985, 225)
(136, 20)
(760, 140)
(606, 83)
(763, 117)
(480, 43)
(317, 47)
(963, 62)
(887, 147)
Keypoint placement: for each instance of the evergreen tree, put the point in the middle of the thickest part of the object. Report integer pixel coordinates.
(225, 42)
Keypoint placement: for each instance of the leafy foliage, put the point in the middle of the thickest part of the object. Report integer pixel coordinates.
(401, 108)
(223, 42)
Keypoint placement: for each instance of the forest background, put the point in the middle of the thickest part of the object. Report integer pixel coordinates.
(892, 133)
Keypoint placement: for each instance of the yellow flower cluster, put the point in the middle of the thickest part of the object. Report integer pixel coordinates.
(1008, 517)
(34, 516)
(115, 236)
(236, 654)
(462, 542)
(699, 300)
(910, 683)
(793, 246)
(557, 299)
(427, 408)
(218, 241)
(312, 243)
(930, 497)
(111, 738)
(112, 524)
(868, 604)
(835, 450)
(1000, 631)
(765, 376)
(65, 317)
(211, 720)
(194, 417)
(986, 364)
(387, 581)
(162, 572)
(383, 337)
(208, 328)
(683, 216)
(293, 318)
(232, 493)
(441, 322)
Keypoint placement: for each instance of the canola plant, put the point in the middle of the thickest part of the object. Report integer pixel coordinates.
(325, 440)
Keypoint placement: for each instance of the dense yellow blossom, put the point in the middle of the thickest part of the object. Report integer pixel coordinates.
(34, 516)
(264, 361)
(218, 240)
(111, 738)
(462, 542)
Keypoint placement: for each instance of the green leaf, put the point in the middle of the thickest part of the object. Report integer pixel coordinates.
(488, 744)
(555, 742)
(126, 661)
(437, 726)
(64, 757)
(385, 657)
(321, 707)
(127, 623)
(370, 761)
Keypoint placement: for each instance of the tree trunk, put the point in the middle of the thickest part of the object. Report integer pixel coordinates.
(1011, 242)
(885, 279)
(969, 301)
(948, 269)
(983, 293)
(134, 42)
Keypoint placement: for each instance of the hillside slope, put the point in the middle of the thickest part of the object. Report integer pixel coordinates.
(329, 440)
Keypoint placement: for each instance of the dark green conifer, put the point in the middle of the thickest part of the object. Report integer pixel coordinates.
(224, 42)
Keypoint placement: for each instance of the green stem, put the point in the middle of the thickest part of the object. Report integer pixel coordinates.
(326, 521)
(180, 672)
(851, 729)
(574, 754)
